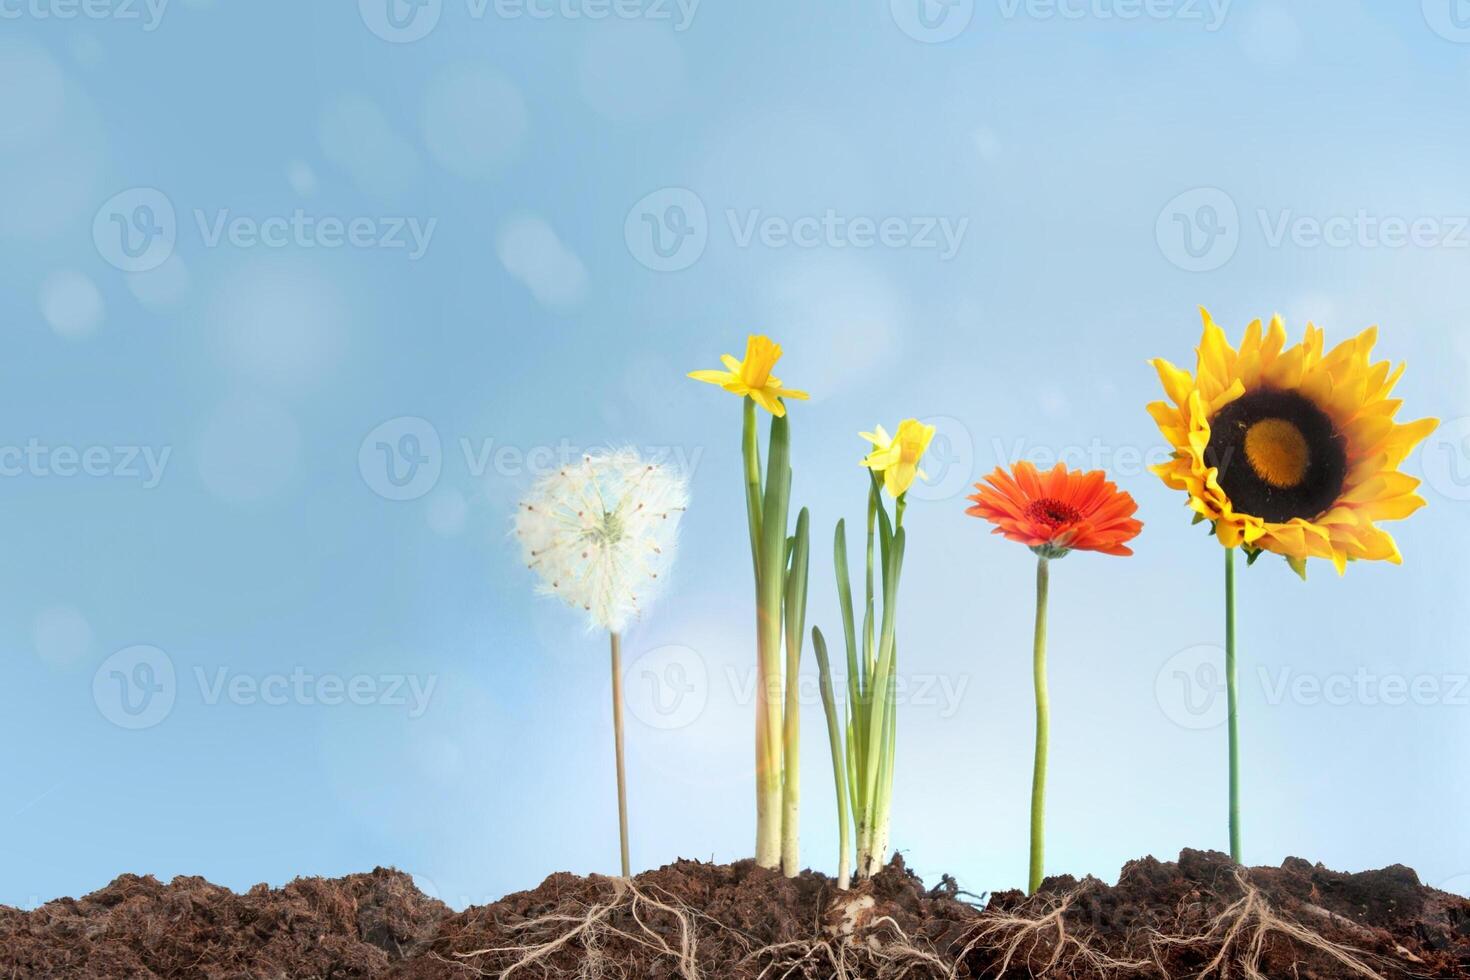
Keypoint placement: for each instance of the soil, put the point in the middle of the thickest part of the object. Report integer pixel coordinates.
(1195, 917)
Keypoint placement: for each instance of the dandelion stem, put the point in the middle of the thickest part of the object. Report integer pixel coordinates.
(617, 696)
(1043, 726)
(1232, 704)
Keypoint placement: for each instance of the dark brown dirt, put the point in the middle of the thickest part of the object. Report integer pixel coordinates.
(1194, 917)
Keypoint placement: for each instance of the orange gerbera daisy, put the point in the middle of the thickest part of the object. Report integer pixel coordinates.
(1059, 511)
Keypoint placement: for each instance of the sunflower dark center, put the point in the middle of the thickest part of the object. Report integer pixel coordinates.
(1279, 456)
(1052, 512)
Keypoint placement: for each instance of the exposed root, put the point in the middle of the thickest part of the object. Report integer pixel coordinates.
(1043, 944)
(1240, 934)
(624, 931)
(585, 932)
(870, 957)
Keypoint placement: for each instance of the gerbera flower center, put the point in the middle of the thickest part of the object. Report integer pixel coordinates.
(1052, 512)
(1278, 455)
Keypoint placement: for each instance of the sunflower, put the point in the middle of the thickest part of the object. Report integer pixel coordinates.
(1289, 449)
(752, 376)
(1059, 511)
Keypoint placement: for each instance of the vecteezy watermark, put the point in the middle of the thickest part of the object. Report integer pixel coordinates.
(670, 687)
(949, 465)
(138, 687)
(145, 464)
(138, 229)
(1190, 688)
(1201, 229)
(668, 230)
(301, 687)
(1118, 460)
(135, 688)
(406, 21)
(146, 13)
(932, 21)
(403, 458)
(1450, 19)
(1210, 14)
(667, 688)
(1363, 687)
(1445, 459)
(1362, 229)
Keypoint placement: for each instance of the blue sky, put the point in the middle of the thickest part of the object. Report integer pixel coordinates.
(300, 297)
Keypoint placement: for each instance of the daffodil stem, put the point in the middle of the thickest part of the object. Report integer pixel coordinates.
(839, 764)
(1043, 726)
(1232, 704)
(617, 698)
(770, 581)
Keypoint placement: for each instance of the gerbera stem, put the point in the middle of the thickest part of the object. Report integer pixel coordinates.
(1232, 704)
(1043, 725)
(617, 696)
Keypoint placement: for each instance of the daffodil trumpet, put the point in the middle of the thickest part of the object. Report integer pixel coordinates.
(780, 565)
(1292, 450)
(863, 770)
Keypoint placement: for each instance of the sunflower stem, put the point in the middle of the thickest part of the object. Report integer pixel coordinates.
(1043, 726)
(1232, 704)
(617, 697)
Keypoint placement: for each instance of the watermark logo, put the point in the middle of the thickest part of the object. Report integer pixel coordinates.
(667, 230)
(148, 13)
(1363, 687)
(1199, 230)
(135, 688)
(1118, 460)
(401, 21)
(406, 21)
(1450, 19)
(302, 687)
(667, 688)
(1445, 459)
(300, 229)
(932, 21)
(1190, 687)
(402, 458)
(950, 462)
(145, 464)
(1210, 13)
(1363, 229)
(136, 230)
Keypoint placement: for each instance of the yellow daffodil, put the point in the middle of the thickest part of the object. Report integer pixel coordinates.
(897, 457)
(752, 376)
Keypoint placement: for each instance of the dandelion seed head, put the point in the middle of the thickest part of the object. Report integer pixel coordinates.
(602, 534)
